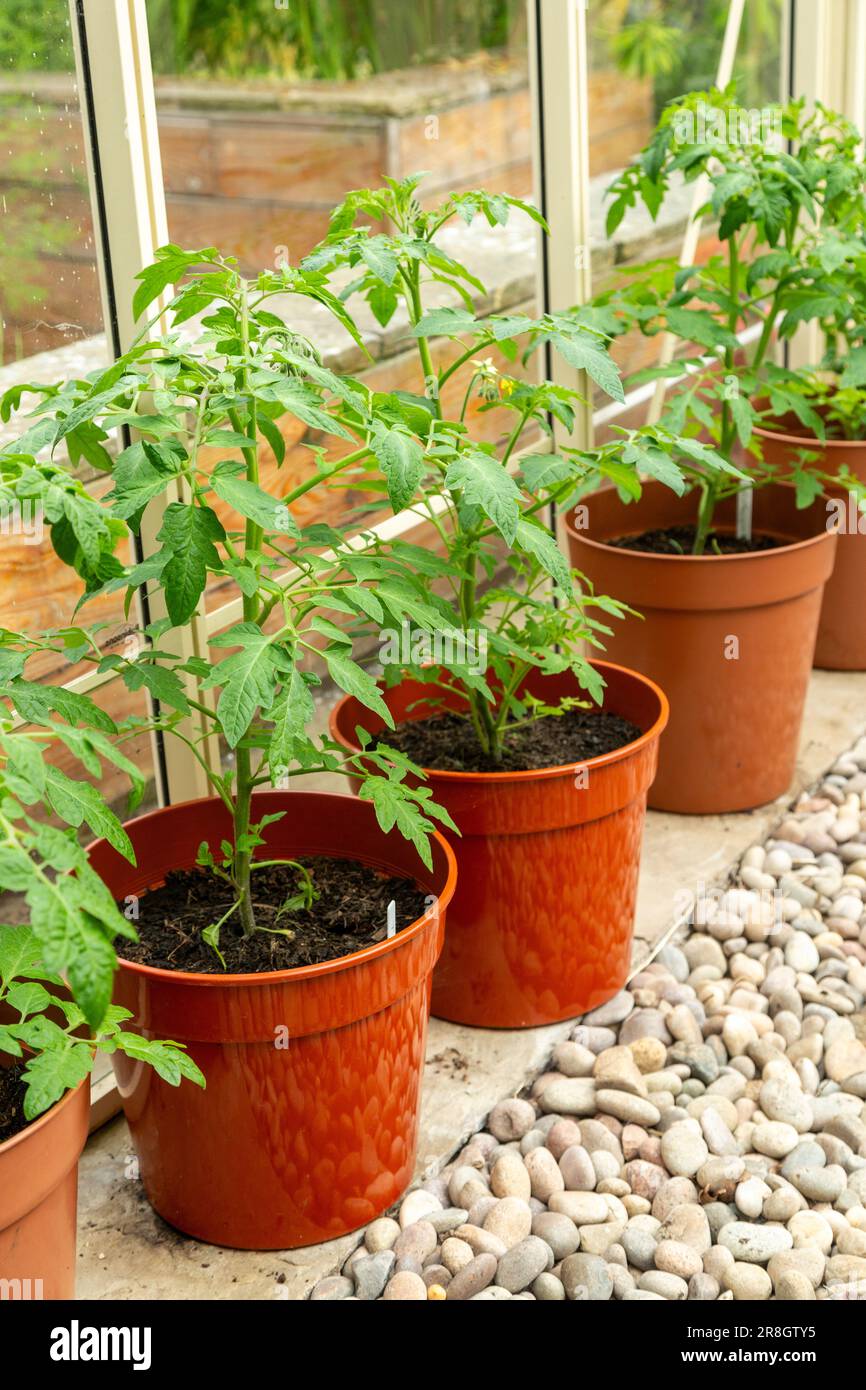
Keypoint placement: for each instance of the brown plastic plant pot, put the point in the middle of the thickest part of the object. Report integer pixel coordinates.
(308, 1126)
(540, 928)
(841, 642)
(730, 638)
(39, 1199)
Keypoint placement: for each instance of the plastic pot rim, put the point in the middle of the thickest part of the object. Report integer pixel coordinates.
(41, 1121)
(807, 440)
(750, 557)
(301, 972)
(541, 773)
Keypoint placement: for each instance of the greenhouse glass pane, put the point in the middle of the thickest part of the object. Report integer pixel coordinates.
(270, 113)
(51, 326)
(643, 54)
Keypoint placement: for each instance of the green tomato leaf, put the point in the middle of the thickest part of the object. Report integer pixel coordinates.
(305, 404)
(248, 678)
(20, 952)
(291, 713)
(273, 436)
(401, 457)
(168, 1059)
(29, 998)
(27, 759)
(744, 417)
(699, 326)
(484, 483)
(648, 457)
(17, 869)
(136, 482)
(854, 373)
(446, 323)
(396, 807)
(49, 1075)
(585, 351)
(35, 703)
(164, 685)
(188, 533)
(170, 266)
(541, 544)
(78, 803)
(252, 501)
(352, 678)
(378, 254)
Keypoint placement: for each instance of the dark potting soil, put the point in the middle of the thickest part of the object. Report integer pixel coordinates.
(12, 1119)
(351, 912)
(678, 540)
(447, 742)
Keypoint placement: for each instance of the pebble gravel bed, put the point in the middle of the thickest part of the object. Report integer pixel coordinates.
(702, 1135)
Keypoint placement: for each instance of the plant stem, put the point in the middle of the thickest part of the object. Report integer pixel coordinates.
(412, 281)
(252, 543)
(317, 478)
(709, 495)
(479, 710)
(728, 426)
(461, 360)
(705, 516)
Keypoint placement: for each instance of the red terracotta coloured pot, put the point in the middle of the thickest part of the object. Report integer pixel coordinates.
(38, 1201)
(541, 924)
(308, 1126)
(841, 642)
(730, 639)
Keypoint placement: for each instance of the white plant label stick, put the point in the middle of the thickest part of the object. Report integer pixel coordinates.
(392, 919)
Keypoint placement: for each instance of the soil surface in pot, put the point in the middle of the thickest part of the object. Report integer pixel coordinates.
(351, 912)
(678, 540)
(12, 1119)
(447, 742)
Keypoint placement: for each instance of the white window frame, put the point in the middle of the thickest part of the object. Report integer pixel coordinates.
(827, 63)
